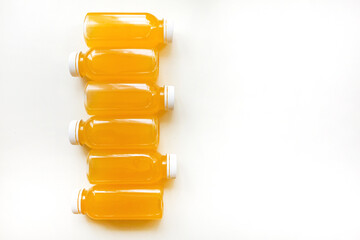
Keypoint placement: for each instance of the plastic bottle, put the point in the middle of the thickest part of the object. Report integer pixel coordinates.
(126, 30)
(115, 65)
(112, 202)
(124, 167)
(132, 99)
(115, 133)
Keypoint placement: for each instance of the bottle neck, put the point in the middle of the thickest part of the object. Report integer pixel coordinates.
(81, 132)
(164, 167)
(162, 29)
(82, 201)
(81, 64)
(162, 100)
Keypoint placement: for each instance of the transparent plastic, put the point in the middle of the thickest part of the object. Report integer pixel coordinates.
(126, 167)
(124, 99)
(119, 65)
(119, 133)
(112, 202)
(123, 30)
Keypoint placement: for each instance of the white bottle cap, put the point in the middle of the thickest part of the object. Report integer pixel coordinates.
(169, 92)
(168, 30)
(171, 166)
(73, 132)
(76, 201)
(73, 64)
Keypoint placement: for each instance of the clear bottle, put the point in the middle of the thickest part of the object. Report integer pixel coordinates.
(132, 99)
(115, 65)
(115, 133)
(128, 168)
(112, 202)
(126, 30)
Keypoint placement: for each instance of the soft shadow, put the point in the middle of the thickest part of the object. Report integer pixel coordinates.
(127, 225)
(85, 151)
(165, 51)
(84, 81)
(166, 116)
(169, 183)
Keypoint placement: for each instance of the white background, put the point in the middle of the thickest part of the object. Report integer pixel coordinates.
(266, 123)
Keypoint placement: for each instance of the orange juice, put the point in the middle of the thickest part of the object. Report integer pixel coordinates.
(126, 30)
(130, 167)
(115, 133)
(112, 202)
(115, 65)
(131, 99)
